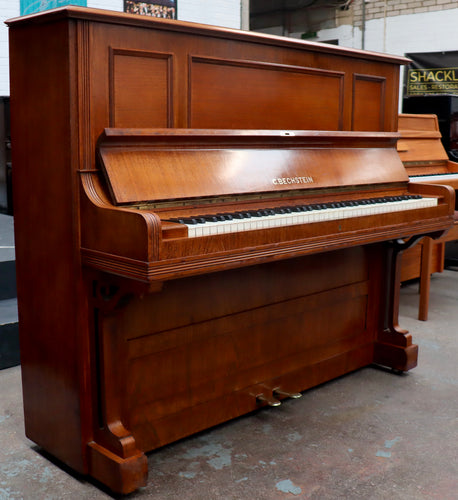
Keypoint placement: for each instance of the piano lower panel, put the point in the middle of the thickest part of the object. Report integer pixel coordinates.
(152, 433)
(199, 351)
(251, 345)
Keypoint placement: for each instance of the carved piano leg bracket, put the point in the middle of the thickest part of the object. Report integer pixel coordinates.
(393, 347)
(108, 297)
(109, 293)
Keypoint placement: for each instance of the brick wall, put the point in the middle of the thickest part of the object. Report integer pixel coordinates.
(391, 26)
(377, 9)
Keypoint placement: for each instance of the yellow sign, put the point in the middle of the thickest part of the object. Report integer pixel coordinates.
(432, 81)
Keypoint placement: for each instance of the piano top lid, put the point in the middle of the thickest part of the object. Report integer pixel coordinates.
(114, 17)
(153, 165)
(420, 139)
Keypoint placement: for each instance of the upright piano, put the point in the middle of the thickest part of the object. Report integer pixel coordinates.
(426, 161)
(207, 222)
(422, 152)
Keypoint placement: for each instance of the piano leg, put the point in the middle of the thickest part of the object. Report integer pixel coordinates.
(394, 347)
(425, 278)
(113, 456)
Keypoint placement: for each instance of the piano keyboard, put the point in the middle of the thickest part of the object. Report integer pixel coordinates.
(434, 178)
(207, 225)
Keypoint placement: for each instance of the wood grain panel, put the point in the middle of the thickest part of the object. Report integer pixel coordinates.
(140, 89)
(369, 95)
(227, 93)
(227, 339)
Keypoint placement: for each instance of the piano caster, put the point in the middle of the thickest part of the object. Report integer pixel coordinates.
(281, 392)
(270, 400)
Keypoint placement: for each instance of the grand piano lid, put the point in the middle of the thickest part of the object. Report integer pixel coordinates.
(152, 165)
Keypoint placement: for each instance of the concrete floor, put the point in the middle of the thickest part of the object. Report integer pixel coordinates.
(369, 435)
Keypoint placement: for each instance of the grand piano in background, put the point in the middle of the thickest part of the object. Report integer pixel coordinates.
(207, 221)
(426, 161)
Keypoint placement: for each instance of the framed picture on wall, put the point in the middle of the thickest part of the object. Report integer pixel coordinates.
(167, 9)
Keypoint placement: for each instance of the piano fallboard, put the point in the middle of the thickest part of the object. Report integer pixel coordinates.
(180, 164)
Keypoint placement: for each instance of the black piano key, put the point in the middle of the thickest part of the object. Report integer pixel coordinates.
(210, 218)
(226, 216)
(241, 215)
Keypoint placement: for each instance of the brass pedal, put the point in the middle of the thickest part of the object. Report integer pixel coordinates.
(270, 400)
(281, 392)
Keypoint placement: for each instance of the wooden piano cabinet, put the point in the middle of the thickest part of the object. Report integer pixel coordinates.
(424, 156)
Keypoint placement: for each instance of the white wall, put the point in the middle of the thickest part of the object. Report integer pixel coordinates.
(426, 32)
(216, 12)
(106, 4)
(219, 13)
(8, 9)
(225, 13)
(423, 32)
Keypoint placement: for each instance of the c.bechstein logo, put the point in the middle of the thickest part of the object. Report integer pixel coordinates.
(293, 180)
